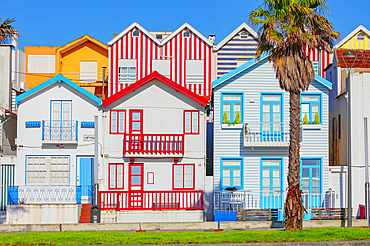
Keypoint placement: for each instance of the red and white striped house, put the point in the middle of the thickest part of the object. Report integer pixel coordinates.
(183, 56)
(320, 60)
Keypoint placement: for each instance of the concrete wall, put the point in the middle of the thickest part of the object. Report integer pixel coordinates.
(43, 214)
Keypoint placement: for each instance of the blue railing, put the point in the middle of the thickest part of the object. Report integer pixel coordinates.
(60, 130)
(39, 194)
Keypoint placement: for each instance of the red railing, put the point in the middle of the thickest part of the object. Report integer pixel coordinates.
(154, 144)
(150, 200)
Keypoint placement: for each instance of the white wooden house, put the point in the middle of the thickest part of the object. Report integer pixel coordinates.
(251, 155)
(154, 153)
(55, 153)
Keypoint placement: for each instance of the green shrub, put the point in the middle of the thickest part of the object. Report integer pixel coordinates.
(225, 118)
(317, 118)
(237, 118)
(305, 119)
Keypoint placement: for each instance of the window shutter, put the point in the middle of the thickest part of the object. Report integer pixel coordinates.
(178, 176)
(56, 107)
(162, 67)
(188, 176)
(88, 71)
(194, 71)
(195, 120)
(66, 107)
(113, 121)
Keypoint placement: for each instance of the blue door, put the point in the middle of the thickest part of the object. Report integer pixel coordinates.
(86, 173)
(271, 116)
(271, 184)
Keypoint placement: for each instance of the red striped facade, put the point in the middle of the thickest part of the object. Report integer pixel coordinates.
(324, 57)
(145, 49)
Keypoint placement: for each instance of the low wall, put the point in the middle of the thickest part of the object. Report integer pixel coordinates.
(43, 214)
(159, 216)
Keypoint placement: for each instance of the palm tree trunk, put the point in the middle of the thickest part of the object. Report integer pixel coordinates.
(293, 207)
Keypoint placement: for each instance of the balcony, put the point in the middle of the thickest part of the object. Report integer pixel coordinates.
(274, 134)
(150, 200)
(82, 78)
(59, 131)
(152, 145)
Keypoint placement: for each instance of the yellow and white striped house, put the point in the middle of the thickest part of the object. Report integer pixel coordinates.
(357, 39)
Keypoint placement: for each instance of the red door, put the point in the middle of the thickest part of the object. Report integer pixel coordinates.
(136, 130)
(135, 185)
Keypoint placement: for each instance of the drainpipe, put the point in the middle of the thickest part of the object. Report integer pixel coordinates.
(96, 184)
(366, 172)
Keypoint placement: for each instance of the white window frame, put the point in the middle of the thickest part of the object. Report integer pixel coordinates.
(194, 71)
(35, 64)
(54, 169)
(130, 75)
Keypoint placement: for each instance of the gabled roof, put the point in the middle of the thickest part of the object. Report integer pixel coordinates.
(173, 34)
(150, 77)
(243, 26)
(80, 41)
(353, 33)
(250, 63)
(362, 59)
(57, 79)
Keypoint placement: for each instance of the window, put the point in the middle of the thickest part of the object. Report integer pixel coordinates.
(315, 66)
(271, 181)
(310, 169)
(41, 63)
(271, 116)
(115, 176)
(231, 173)
(158, 36)
(126, 70)
(186, 34)
(194, 71)
(163, 67)
(310, 107)
(191, 122)
(136, 121)
(47, 170)
(231, 105)
(88, 71)
(61, 110)
(136, 33)
(183, 176)
(360, 37)
(243, 35)
(117, 121)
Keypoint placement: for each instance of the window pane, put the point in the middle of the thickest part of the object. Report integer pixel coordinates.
(226, 173)
(311, 98)
(271, 97)
(305, 182)
(136, 116)
(188, 176)
(114, 121)
(232, 97)
(315, 190)
(305, 172)
(119, 176)
(236, 173)
(266, 172)
(237, 107)
(195, 122)
(227, 107)
(178, 176)
(271, 162)
(136, 126)
(228, 162)
(135, 170)
(266, 107)
(112, 176)
(237, 182)
(266, 182)
(135, 180)
(187, 122)
(276, 173)
(315, 182)
(315, 108)
(308, 162)
(66, 110)
(315, 173)
(276, 182)
(276, 108)
(266, 191)
(226, 182)
(266, 117)
(121, 122)
(276, 117)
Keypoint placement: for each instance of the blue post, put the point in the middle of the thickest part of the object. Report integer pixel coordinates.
(12, 195)
(78, 194)
(43, 130)
(76, 130)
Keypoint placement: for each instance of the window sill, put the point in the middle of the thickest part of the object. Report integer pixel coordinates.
(311, 127)
(236, 126)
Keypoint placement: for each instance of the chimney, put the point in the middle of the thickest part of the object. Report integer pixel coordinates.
(212, 37)
(115, 35)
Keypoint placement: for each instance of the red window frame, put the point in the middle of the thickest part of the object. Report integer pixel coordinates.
(140, 121)
(183, 176)
(117, 123)
(116, 177)
(191, 122)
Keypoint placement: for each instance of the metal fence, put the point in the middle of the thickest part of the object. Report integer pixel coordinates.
(60, 130)
(38, 194)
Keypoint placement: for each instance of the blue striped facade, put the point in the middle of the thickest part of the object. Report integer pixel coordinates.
(228, 142)
(236, 49)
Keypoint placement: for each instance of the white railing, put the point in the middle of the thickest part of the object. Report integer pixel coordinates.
(236, 200)
(85, 77)
(266, 134)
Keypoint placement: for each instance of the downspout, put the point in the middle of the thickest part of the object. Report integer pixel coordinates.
(96, 160)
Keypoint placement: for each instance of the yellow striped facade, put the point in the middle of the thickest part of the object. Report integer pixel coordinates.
(355, 44)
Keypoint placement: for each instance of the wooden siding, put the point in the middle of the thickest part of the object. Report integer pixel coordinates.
(145, 50)
(229, 142)
(353, 43)
(236, 49)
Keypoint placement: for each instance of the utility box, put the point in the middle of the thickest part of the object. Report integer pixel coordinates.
(95, 214)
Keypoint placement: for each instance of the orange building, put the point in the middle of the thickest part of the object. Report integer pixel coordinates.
(81, 61)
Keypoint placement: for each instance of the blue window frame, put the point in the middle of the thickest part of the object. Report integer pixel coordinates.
(271, 116)
(311, 175)
(271, 183)
(311, 104)
(231, 173)
(231, 104)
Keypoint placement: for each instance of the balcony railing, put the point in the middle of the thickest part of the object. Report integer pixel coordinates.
(60, 130)
(85, 77)
(150, 200)
(266, 134)
(44, 194)
(154, 144)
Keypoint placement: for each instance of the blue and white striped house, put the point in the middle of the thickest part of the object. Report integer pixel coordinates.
(236, 49)
(251, 153)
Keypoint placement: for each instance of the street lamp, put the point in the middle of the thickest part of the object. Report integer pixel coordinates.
(349, 55)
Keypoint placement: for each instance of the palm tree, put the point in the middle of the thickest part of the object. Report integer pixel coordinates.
(7, 32)
(287, 28)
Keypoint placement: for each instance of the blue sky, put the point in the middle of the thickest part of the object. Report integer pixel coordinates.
(56, 23)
